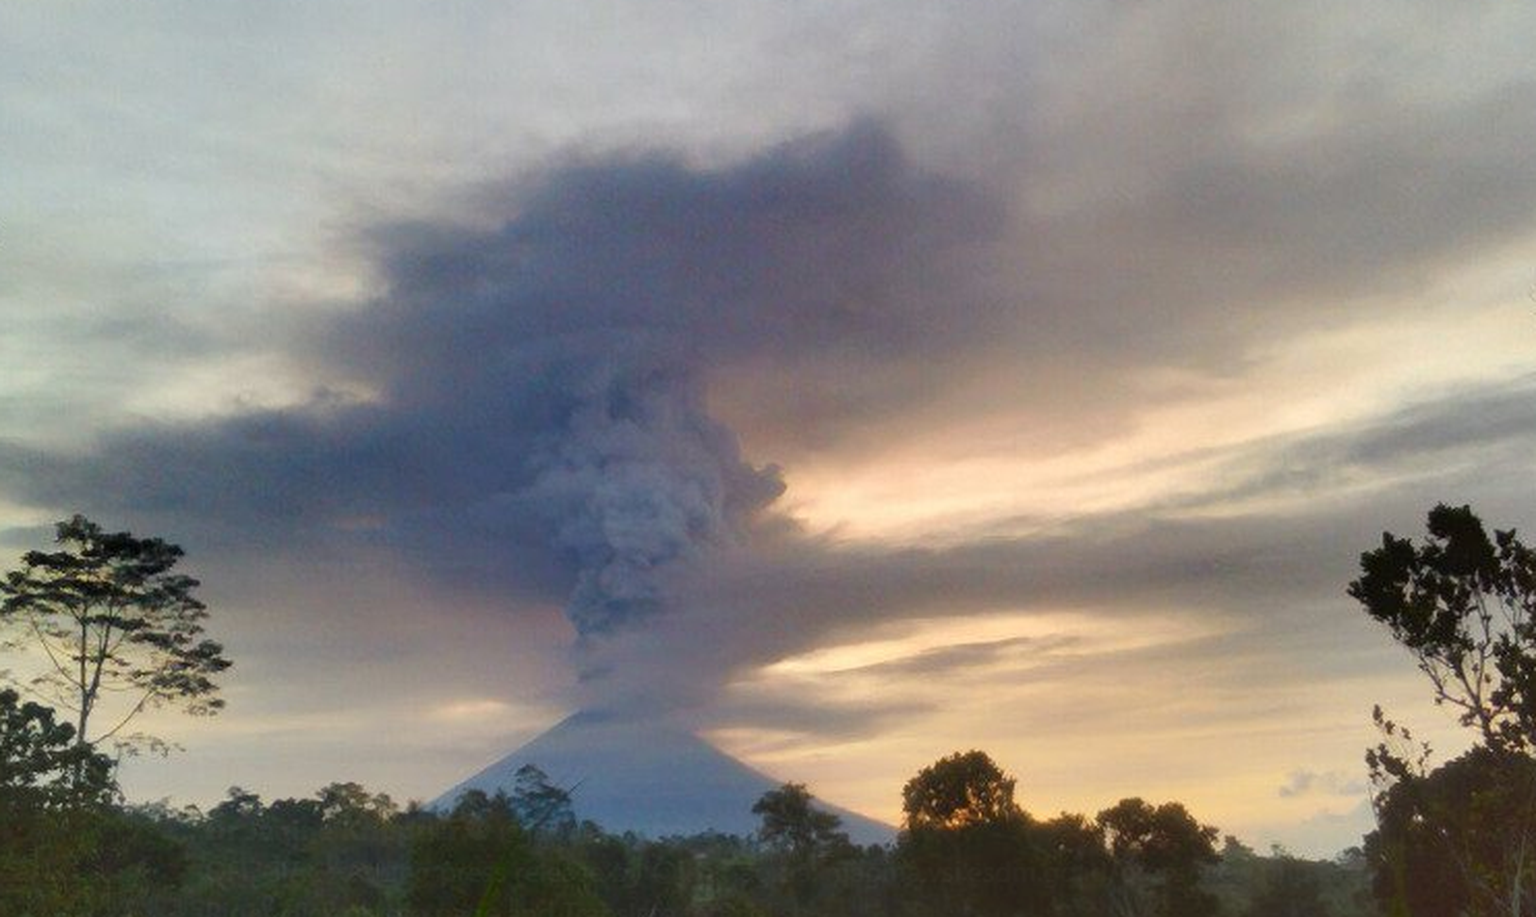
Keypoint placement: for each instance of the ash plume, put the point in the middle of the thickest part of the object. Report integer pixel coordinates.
(537, 425)
(637, 478)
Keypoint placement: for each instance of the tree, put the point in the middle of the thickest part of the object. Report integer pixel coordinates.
(455, 863)
(479, 861)
(1464, 605)
(540, 806)
(805, 839)
(110, 614)
(1158, 853)
(1450, 841)
(959, 790)
(968, 849)
(41, 765)
(792, 825)
(1291, 888)
(84, 860)
(1077, 864)
(354, 839)
(350, 805)
(64, 849)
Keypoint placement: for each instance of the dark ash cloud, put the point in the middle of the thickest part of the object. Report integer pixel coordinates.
(541, 378)
(537, 419)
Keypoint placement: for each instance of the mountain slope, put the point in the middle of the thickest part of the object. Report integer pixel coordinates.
(653, 780)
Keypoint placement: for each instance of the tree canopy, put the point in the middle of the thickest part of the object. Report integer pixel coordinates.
(538, 804)
(1460, 837)
(1157, 854)
(41, 764)
(965, 788)
(792, 824)
(109, 613)
(1464, 605)
(968, 849)
(805, 844)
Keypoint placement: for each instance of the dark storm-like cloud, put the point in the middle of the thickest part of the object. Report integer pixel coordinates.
(832, 246)
(1480, 418)
(539, 375)
(536, 416)
(1193, 202)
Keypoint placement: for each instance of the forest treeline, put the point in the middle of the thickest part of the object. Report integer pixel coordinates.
(346, 852)
(1453, 839)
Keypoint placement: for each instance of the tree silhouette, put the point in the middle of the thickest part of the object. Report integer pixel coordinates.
(111, 616)
(41, 765)
(1157, 853)
(965, 788)
(541, 807)
(968, 848)
(792, 825)
(1464, 605)
(1457, 839)
(803, 839)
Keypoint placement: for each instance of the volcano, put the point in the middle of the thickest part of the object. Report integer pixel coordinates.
(654, 780)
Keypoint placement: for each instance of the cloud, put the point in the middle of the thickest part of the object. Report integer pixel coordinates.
(1322, 834)
(979, 656)
(1266, 547)
(558, 501)
(787, 716)
(546, 398)
(1311, 783)
(522, 408)
(1482, 431)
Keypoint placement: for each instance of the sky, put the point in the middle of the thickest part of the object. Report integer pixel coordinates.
(855, 383)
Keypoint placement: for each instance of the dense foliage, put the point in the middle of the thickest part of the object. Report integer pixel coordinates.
(1460, 838)
(348, 852)
(64, 847)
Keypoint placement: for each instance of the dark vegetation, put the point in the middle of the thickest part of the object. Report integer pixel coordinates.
(1457, 839)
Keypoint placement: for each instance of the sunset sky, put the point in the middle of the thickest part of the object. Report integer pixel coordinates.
(855, 382)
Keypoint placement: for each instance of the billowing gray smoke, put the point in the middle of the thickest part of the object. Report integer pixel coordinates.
(536, 427)
(575, 338)
(638, 477)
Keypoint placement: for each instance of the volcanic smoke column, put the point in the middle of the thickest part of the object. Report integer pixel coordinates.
(518, 409)
(638, 481)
